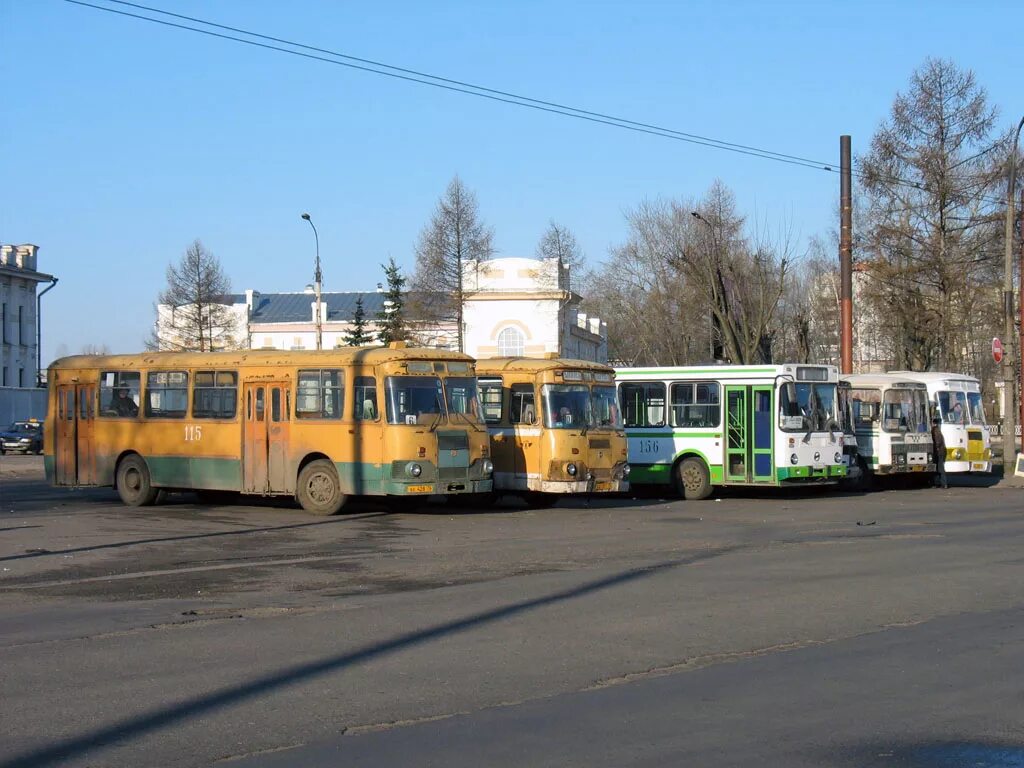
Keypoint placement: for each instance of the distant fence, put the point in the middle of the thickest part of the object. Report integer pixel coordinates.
(997, 430)
(18, 403)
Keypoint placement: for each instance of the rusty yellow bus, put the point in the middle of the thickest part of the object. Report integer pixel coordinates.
(554, 427)
(321, 426)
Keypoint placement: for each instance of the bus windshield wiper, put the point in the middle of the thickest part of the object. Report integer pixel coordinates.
(437, 417)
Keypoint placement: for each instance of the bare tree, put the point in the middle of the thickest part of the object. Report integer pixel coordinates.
(558, 243)
(740, 278)
(193, 314)
(95, 349)
(932, 246)
(687, 287)
(455, 236)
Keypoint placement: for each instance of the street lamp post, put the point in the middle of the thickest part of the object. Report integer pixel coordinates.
(1009, 380)
(39, 331)
(317, 285)
(711, 309)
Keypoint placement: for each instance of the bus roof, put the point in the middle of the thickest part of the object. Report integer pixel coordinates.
(710, 371)
(494, 365)
(890, 380)
(937, 378)
(259, 357)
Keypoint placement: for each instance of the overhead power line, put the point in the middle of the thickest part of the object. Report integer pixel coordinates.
(470, 89)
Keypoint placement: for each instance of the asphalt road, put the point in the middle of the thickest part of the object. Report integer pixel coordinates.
(754, 629)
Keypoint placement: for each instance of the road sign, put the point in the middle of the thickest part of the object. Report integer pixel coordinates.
(997, 350)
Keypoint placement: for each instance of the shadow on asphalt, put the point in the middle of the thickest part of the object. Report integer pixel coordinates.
(187, 537)
(197, 706)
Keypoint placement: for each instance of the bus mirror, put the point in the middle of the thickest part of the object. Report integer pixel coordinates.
(789, 397)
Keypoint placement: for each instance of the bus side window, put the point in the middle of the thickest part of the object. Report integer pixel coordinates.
(490, 399)
(643, 403)
(523, 409)
(364, 402)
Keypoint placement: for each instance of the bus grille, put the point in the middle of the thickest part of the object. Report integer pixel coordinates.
(452, 441)
(600, 443)
(451, 473)
(972, 435)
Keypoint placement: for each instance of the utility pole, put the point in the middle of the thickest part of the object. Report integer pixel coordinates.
(1020, 318)
(1009, 378)
(845, 257)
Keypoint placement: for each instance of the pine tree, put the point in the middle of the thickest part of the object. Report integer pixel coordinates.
(358, 335)
(392, 318)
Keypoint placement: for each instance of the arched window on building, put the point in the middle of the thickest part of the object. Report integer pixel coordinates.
(510, 342)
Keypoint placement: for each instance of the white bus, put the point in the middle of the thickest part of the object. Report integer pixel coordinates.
(892, 421)
(956, 399)
(753, 425)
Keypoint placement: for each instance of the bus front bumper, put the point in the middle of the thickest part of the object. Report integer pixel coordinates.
(577, 486)
(829, 473)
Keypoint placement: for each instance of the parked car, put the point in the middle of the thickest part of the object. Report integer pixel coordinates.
(22, 436)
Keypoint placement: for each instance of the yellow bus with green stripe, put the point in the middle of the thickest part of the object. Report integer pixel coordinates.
(695, 428)
(321, 426)
(554, 427)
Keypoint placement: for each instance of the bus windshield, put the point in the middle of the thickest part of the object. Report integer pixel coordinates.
(414, 400)
(606, 407)
(567, 406)
(814, 409)
(977, 408)
(953, 407)
(905, 410)
(462, 398)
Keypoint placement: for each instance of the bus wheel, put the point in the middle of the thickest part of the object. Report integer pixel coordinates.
(319, 491)
(693, 480)
(133, 483)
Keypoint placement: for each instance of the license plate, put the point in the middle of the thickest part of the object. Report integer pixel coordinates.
(420, 488)
(917, 469)
(602, 486)
(979, 466)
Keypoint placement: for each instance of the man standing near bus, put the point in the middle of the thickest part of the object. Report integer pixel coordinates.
(939, 446)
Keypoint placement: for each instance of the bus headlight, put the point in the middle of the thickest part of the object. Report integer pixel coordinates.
(958, 453)
(413, 469)
(488, 466)
(570, 469)
(838, 457)
(625, 471)
(794, 459)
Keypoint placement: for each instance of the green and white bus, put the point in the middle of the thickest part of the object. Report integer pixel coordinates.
(752, 425)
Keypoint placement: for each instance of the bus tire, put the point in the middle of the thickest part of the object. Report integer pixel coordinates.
(318, 490)
(693, 480)
(133, 482)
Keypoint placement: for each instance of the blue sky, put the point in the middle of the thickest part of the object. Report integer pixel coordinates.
(122, 141)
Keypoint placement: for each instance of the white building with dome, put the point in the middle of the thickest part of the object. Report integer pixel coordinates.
(513, 306)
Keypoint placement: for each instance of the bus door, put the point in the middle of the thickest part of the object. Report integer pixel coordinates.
(265, 446)
(749, 434)
(762, 448)
(86, 460)
(526, 419)
(737, 433)
(65, 451)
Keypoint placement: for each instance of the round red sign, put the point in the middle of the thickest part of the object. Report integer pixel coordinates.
(997, 350)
